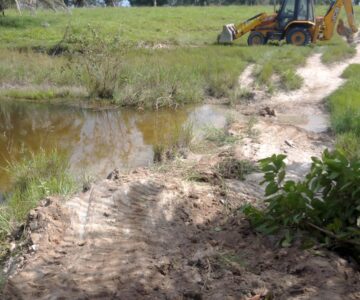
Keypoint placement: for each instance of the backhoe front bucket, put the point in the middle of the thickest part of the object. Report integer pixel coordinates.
(227, 35)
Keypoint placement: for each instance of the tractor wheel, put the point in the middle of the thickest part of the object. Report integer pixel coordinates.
(256, 38)
(298, 36)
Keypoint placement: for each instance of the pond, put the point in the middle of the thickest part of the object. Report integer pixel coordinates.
(96, 140)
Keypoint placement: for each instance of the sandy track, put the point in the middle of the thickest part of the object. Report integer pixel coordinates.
(301, 126)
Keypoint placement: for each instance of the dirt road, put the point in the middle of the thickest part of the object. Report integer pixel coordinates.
(156, 235)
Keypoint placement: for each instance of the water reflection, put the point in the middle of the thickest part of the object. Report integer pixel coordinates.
(96, 140)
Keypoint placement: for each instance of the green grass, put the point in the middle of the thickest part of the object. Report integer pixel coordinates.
(336, 50)
(170, 146)
(33, 178)
(219, 136)
(142, 25)
(148, 77)
(29, 68)
(345, 112)
(189, 69)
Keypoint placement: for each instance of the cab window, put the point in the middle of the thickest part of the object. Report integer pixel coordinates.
(287, 12)
(289, 9)
(302, 13)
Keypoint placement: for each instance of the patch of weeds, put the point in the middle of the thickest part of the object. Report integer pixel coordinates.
(230, 118)
(86, 181)
(33, 178)
(176, 143)
(338, 50)
(290, 80)
(264, 73)
(241, 95)
(2, 279)
(232, 168)
(282, 64)
(180, 75)
(348, 144)
(345, 112)
(36, 95)
(230, 260)
(194, 175)
(245, 95)
(219, 136)
(252, 132)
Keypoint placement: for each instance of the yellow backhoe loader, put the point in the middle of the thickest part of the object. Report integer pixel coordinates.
(295, 22)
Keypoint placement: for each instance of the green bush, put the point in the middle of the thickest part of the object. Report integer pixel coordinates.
(326, 204)
(98, 62)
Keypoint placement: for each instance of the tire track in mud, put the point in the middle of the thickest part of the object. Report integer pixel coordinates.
(117, 233)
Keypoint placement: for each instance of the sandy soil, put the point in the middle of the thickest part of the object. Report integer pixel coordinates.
(156, 235)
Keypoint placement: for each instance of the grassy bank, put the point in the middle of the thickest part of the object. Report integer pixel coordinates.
(172, 60)
(148, 77)
(33, 178)
(345, 113)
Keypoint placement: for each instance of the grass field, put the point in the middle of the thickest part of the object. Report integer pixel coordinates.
(147, 25)
(168, 25)
(172, 58)
(345, 113)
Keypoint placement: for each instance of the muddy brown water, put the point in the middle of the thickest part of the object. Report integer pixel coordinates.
(96, 140)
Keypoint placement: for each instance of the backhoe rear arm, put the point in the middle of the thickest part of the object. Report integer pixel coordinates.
(332, 15)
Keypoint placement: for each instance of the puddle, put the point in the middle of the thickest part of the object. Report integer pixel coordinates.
(313, 123)
(96, 140)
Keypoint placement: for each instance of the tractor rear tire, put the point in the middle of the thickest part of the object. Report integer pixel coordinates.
(298, 36)
(256, 38)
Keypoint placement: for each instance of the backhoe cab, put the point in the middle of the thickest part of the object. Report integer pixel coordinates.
(295, 22)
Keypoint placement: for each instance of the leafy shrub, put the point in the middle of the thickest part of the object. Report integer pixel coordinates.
(100, 62)
(326, 203)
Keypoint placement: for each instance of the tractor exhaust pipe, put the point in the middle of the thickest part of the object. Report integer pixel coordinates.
(228, 34)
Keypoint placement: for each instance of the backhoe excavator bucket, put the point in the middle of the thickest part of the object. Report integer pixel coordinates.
(227, 35)
(345, 31)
